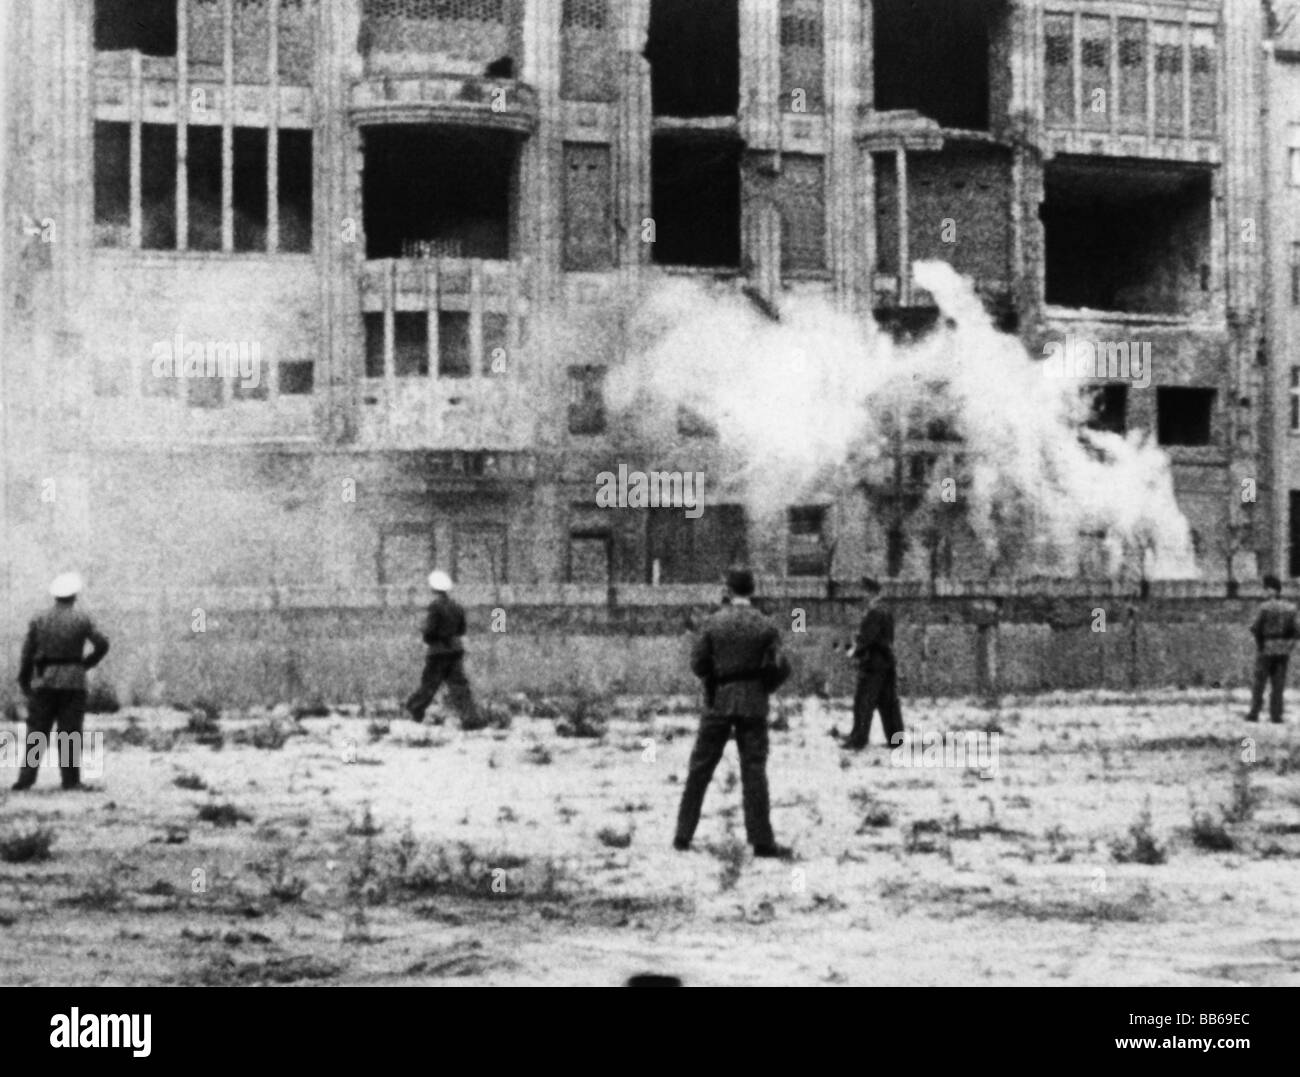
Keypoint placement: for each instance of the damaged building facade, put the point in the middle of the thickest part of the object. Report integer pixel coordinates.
(398, 204)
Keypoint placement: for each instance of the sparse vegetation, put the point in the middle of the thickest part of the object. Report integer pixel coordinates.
(204, 724)
(1245, 797)
(223, 815)
(614, 839)
(190, 781)
(538, 753)
(732, 854)
(1209, 833)
(101, 699)
(1141, 846)
(28, 847)
(584, 715)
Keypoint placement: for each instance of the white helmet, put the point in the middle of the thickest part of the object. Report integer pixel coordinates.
(66, 585)
(439, 581)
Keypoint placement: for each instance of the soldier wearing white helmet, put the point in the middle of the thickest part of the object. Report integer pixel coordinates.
(444, 663)
(52, 675)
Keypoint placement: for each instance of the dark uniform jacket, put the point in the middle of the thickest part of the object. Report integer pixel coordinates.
(1275, 627)
(738, 654)
(54, 650)
(873, 649)
(444, 626)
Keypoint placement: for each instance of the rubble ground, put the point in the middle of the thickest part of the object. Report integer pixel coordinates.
(1117, 840)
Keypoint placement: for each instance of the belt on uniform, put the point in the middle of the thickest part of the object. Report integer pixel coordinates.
(43, 662)
(733, 678)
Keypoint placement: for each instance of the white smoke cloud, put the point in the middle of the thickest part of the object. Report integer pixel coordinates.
(805, 404)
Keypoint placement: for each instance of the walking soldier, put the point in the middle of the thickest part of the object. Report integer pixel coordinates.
(444, 663)
(52, 675)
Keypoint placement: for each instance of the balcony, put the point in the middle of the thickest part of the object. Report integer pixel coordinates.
(457, 100)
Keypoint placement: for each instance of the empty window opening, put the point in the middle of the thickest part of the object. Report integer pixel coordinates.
(207, 39)
(808, 553)
(1133, 239)
(295, 193)
(250, 188)
(1293, 561)
(374, 324)
(203, 183)
(1109, 411)
(1094, 62)
(694, 53)
(411, 344)
(454, 344)
(803, 56)
(297, 377)
(112, 184)
(146, 25)
(429, 188)
(1295, 274)
(933, 56)
(158, 186)
(591, 557)
(204, 392)
(1184, 416)
(695, 188)
(586, 400)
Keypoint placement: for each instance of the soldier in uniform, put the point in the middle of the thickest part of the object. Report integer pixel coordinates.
(52, 675)
(738, 656)
(1275, 634)
(444, 663)
(877, 688)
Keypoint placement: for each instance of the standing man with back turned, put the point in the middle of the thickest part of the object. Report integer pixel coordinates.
(877, 688)
(1275, 634)
(738, 656)
(444, 663)
(52, 675)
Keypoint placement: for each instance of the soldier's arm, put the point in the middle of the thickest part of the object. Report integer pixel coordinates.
(429, 632)
(27, 664)
(99, 646)
(702, 655)
(1257, 629)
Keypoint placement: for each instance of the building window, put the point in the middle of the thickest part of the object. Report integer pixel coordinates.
(1204, 105)
(807, 554)
(496, 344)
(454, 344)
(1109, 412)
(1293, 156)
(297, 377)
(1294, 398)
(112, 184)
(586, 400)
(449, 187)
(803, 213)
(374, 325)
(479, 554)
(1295, 274)
(1094, 60)
(803, 56)
(588, 52)
(694, 52)
(695, 193)
(1184, 415)
(1058, 49)
(148, 26)
(1168, 37)
(249, 194)
(590, 557)
(588, 208)
(1133, 74)
(411, 344)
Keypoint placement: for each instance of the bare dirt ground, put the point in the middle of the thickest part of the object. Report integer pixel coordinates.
(360, 848)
